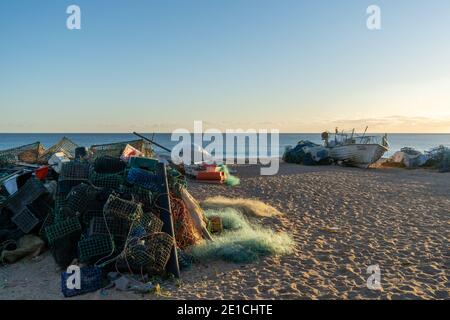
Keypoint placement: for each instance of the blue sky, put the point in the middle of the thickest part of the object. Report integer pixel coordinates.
(157, 65)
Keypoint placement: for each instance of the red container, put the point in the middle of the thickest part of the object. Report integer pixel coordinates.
(210, 176)
(41, 173)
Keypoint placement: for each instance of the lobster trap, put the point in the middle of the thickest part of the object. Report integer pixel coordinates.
(48, 221)
(107, 164)
(151, 223)
(79, 198)
(121, 208)
(29, 192)
(28, 153)
(138, 194)
(151, 252)
(95, 247)
(144, 179)
(116, 149)
(25, 220)
(65, 186)
(65, 145)
(106, 180)
(109, 226)
(91, 279)
(75, 170)
(143, 163)
(89, 215)
(61, 229)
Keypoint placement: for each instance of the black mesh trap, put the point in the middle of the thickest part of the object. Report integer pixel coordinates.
(95, 247)
(125, 209)
(25, 220)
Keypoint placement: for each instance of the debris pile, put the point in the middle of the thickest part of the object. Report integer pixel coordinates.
(436, 158)
(111, 210)
(307, 153)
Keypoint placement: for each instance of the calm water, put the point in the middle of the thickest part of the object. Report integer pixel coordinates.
(421, 142)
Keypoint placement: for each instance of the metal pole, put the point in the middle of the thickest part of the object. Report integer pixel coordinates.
(152, 142)
(166, 217)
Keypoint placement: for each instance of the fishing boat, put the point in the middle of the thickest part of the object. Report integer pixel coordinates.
(353, 149)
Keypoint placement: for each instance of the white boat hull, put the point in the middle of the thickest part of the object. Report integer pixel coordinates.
(360, 155)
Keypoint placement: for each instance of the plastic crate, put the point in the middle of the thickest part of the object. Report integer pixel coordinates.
(25, 220)
(75, 170)
(28, 193)
(125, 209)
(143, 163)
(106, 226)
(61, 229)
(144, 179)
(95, 247)
(91, 280)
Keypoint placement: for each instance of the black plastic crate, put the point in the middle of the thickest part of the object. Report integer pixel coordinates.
(25, 220)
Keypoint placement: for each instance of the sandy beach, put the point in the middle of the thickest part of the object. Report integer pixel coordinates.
(342, 221)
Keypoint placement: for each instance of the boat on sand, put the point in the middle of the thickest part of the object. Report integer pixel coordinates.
(353, 149)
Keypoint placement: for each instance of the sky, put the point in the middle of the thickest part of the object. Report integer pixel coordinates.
(158, 65)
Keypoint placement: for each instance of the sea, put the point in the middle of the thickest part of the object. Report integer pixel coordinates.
(421, 142)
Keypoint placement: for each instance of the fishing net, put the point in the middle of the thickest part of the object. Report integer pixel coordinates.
(65, 145)
(241, 242)
(186, 233)
(143, 179)
(90, 281)
(107, 164)
(230, 180)
(95, 247)
(121, 208)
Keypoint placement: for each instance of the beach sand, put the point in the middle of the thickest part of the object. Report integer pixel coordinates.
(342, 221)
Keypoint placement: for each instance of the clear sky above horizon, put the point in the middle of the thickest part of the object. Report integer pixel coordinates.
(157, 65)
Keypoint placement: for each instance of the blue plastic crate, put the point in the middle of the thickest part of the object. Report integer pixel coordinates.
(144, 179)
(90, 280)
